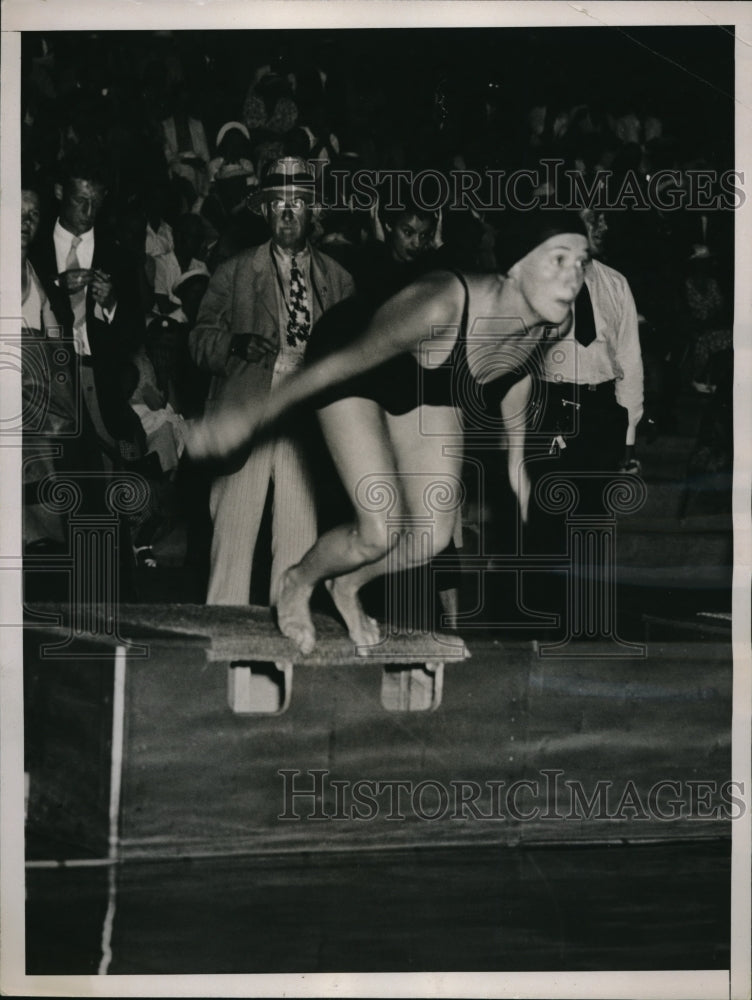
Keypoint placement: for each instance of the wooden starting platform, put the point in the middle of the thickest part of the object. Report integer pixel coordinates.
(134, 752)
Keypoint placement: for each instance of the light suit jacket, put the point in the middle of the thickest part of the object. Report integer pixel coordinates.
(242, 299)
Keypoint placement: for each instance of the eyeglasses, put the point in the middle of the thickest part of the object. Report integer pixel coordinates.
(296, 205)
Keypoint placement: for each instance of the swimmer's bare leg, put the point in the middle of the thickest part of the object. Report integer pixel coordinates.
(340, 552)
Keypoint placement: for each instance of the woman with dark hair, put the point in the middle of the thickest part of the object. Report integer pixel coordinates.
(397, 447)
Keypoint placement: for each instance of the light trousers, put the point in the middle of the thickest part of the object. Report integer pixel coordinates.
(237, 505)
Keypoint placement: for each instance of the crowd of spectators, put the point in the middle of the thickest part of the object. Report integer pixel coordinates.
(182, 126)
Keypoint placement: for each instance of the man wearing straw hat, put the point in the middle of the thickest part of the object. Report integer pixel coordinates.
(251, 334)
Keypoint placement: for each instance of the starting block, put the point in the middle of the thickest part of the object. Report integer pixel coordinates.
(258, 686)
(260, 664)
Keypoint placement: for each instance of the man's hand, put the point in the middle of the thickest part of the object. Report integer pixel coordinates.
(252, 347)
(103, 291)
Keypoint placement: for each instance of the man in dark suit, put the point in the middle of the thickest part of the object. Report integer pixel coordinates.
(92, 288)
(251, 333)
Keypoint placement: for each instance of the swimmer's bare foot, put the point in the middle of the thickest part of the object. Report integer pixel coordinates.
(294, 613)
(363, 630)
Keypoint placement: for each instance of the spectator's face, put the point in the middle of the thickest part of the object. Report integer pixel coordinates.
(290, 220)
(409, 237)
(29, 218)
(80, 205)
(551, 275)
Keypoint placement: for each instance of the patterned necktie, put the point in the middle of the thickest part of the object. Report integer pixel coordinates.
(77, 299)
(584, 320)
(299, 322)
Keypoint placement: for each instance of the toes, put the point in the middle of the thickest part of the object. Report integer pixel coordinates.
(367, 635)
(363, 630)
(306, 642)
(303, 637)
(293, 615)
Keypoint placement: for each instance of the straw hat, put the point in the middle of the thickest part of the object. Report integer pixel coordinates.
(285, 177)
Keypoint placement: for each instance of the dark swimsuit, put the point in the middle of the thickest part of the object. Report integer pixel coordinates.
(402, 383)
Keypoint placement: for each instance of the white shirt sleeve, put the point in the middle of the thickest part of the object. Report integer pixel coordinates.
(629, 387)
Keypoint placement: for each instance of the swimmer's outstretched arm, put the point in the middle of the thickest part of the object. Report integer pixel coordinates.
(398, 327)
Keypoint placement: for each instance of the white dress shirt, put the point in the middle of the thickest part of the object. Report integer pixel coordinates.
(615, 352)
(85, 254)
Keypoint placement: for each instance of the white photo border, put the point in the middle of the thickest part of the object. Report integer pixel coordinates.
(48, 15)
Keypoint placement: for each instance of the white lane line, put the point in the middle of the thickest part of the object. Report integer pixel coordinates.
(118, 730)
